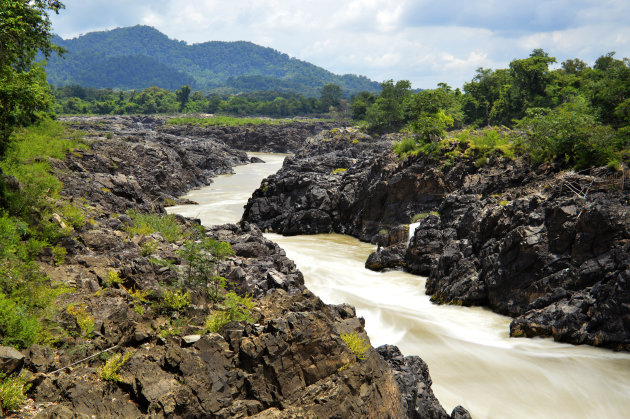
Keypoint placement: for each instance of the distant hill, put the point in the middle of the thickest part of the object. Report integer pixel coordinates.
(141, 56)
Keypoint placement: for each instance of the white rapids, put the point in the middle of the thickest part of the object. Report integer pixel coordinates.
(472, 359)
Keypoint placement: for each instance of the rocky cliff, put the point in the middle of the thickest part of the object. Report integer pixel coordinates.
(547, 247)
(289, 360)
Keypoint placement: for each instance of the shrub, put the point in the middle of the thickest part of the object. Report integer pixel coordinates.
(215, 321)
(406, 146)
(84, 319)
(18, 327)
(237, 307)
(356, 344)
(234, 308)
(109, 370)
(113, 278)
(174, 300)
(59, 255)
(13, 391)
(202, 257)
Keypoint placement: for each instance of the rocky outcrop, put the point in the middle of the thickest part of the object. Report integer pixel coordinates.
(505, 235)
(342, 181)
(414, 381)
(268, 138)
(289, 360)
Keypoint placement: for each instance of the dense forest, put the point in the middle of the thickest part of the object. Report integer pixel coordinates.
(155, 100)
(575, 112)
(140, 57)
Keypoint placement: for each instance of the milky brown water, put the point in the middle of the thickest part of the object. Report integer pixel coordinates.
(471, 357)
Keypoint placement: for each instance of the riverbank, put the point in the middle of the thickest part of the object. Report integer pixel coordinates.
(288, 360)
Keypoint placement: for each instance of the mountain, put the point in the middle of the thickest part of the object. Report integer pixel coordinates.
(141, 56)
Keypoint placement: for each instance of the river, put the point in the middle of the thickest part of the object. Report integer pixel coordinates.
(471, 358)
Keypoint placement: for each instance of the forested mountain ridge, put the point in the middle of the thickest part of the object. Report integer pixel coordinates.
(149, 58)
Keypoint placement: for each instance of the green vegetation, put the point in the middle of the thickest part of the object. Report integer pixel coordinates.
(109, 370)
(13, 390)
(339, 170)
(226, 121)
(233, 308)
(146, 224)
(174, 301)
(202, 257)
(575, 115)
(85, 320)
(150, 58)
(25, 32)
(32, 217)
(422, 215)
(148, 248)
(113, 278)
(356, 344)
(155, 100)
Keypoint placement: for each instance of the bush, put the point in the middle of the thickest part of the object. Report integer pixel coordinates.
(148, 248)
(234, 308)
(85, 320)
(215, 321)
(109, 371)
(202, 257)
(174, 300)
(113, 278)
(13, 391)
(18, 327)
(356, 344)
(406, 146)
(569, 133)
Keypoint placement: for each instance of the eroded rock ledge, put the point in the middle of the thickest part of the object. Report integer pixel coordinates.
(289, 362)
(505, 235)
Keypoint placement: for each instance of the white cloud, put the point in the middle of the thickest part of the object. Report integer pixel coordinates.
(420, 40)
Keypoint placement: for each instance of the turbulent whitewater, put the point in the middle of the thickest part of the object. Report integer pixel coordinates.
(472, 359)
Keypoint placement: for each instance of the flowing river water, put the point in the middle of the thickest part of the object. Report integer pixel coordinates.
(471, 358)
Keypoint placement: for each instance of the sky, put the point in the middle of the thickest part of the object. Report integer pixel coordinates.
(423, 41)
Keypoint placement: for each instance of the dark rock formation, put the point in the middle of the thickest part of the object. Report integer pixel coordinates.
(414, 381)
(341, 181)
(290, 361)
(285, 138)
(506, 235)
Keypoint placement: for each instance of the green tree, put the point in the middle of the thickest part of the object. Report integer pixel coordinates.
(25, 31)
(183, 95)
(388, 113)
(330, 96)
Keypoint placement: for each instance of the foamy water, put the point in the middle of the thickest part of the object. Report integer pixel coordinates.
(471, 357)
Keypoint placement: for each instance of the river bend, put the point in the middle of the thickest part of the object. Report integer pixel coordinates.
(472, 359)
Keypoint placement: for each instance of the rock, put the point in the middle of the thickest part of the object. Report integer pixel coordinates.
(190, 339)
(11, 360)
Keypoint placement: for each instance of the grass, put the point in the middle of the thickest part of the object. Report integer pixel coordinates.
(13, 391)
(34, 217)
(475, 144)
(166, 225)
(228, 121)
(422, 215)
